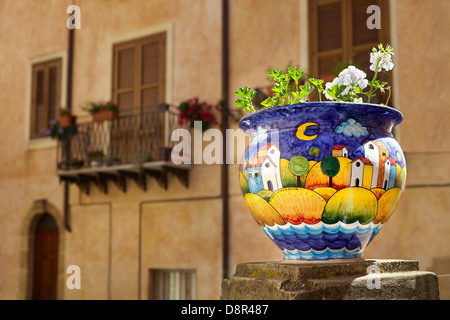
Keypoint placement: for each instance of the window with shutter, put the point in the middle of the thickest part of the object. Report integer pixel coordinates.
(166, 284)
(46, 92)
(339, 37)
(139, 73)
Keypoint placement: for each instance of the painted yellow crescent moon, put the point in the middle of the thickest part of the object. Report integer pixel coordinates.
(301, 131)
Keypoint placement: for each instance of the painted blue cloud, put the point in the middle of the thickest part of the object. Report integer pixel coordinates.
(352, 128)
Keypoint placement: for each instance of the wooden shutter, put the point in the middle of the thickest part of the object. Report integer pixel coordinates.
(46, 92)
(339, 36)
(139, 73)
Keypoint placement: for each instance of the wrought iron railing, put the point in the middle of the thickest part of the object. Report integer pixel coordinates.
(136, 136)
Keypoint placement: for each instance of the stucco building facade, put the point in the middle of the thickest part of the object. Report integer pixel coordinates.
(125, 240)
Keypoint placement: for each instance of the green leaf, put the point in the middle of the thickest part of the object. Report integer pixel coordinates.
(306, 88)
(295, 74)
(277, 87)
(246, 95)
(299, 95)
(275, 74)
(267, 103)
(318, 83)
(251, 95)
(315, 82)
(239, 103)
(336, 90)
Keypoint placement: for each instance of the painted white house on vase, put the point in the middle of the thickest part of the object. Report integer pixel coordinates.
(263, 172)
(372, 153)
(389, 174)
(339, 151)
(270, 168)
(358, 176)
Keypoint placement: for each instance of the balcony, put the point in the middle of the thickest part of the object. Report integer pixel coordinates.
(134, 146)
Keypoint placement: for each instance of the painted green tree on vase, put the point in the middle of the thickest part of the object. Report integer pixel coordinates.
(287, 178)
(330, 167)
(299, 166)
(314, 152)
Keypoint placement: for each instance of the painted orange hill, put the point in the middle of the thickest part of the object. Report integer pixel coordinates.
(316, 178)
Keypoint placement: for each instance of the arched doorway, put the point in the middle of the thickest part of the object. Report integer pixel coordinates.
(45, 258)
(270, 185)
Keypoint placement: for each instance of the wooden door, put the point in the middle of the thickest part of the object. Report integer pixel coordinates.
(45, 264)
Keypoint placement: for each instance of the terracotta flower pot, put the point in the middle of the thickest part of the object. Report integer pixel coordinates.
(67, 120)
(105, 115)
(322, 178)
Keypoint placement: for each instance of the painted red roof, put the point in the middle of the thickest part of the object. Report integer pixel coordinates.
(267, 146)
(339, 147)
(364, 160)
(255, 162)
(379, 144)
(392, 161)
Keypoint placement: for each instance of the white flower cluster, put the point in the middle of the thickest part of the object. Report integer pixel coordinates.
(381, 58)
(350, 77)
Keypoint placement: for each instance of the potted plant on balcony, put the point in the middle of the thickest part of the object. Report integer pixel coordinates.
(54, 131)
(75, 164)
(96, 158)
(322, 178)
(101, 111)
(193, 110)
(66, 119)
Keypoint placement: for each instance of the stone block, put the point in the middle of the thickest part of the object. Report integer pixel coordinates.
(352, 279)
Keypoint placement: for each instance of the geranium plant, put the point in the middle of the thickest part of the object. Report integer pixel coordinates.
(349, 86)
(194, 110)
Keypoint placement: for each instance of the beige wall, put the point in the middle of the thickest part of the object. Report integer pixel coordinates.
(116, 238)
(420, 227)
(26, 175)
(263, 35)
(422, 74)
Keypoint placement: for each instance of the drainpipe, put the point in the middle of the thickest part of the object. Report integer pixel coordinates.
(224, 126)
(66, 145)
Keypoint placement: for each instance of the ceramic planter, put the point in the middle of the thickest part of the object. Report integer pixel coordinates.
(322, 178)
(105, 115)
(67, 120)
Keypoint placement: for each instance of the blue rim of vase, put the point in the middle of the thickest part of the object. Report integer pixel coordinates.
(393, 114)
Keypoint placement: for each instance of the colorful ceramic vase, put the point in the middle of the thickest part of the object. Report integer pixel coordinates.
(322, 178)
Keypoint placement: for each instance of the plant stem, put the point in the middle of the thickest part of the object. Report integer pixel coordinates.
(371, 87)
(389, 96)
(373, 80)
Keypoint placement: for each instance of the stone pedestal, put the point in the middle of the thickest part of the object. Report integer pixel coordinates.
(352, 279)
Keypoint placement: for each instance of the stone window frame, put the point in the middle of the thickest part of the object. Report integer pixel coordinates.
(43, 142)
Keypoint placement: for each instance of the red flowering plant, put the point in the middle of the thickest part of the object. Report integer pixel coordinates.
(193, 110)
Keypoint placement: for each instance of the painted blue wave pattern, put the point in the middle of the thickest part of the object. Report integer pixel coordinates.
(322, 241)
